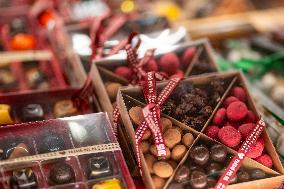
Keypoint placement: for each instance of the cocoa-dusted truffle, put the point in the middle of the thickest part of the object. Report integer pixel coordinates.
(187, 139)
(172, 137)
(158, 181)
(178, 152)
(112, 89)
(136, 115)
(162, 169)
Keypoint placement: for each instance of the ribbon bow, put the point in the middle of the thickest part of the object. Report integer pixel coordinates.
(152, 113)
(137, 65)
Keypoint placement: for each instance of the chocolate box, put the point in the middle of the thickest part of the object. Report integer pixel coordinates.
(24, 71)
(201, 62)
(65, 153)
(130, 97)
(43, 105)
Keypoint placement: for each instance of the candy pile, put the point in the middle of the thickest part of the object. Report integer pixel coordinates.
(194, 105)
(205, 164)
(169, 65)
(177, 142)
(233, 122)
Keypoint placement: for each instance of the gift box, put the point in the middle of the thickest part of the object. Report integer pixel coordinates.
(74, 152)
(193, 105)
(191, 58)
(42, 105)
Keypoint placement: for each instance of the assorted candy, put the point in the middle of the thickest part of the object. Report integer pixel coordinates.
(51, 156)
(233, 122)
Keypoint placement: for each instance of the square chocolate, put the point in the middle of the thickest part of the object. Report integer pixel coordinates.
(32, 112)
(98, 167)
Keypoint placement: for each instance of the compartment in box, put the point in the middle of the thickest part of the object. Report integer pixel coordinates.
(62, 171)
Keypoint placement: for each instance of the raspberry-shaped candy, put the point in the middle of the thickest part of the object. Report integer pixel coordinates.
(212, 131)
(237, 111)
(240, 93)
(169, 63)
(229, 136)
(256, 149)
(229, 100)
(220, 116)
(265, 160)
(246, 129)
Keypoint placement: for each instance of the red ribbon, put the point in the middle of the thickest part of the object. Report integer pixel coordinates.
(100, 34)
(152, 114)
(236, 162)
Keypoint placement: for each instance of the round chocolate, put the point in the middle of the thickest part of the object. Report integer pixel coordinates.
(213, 168)
(175, 185)
(198, 179)
(51, 143)
(218, 153)
(200, 155)
(62, 173)
(256, 174)
(243, 176)
(182, 174)
(211, 182)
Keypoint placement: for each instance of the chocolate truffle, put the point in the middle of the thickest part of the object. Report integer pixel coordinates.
(64, 108)
(112, 89)
(36, 79)
(178, 152)
(182, 174)
(256, 174)
(213, 168)
(162, 169)
(20, 150)
(187, 139)
(32, 112)
(172, 137)
(218, 153)
(98, 167)
(198, 179)
(7, 80)
(136, 115)
(62, 173)
(243, 176)
(51, 143)
(199, 154)
(23, 179)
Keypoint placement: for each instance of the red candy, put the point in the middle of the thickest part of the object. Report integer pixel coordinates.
(237, 111)
(188, 55)
(240, 93)
(212, 131)
(124, 72)
(169, 63)
(246, 129)
(229, 100)
(265, 160)
(229, 136)
(257, 149)
(179, 74)
(23, 42)
(151, 66)
(220, 116)
(250, 117)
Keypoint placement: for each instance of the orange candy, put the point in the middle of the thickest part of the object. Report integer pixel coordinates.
(45, 17)
(22, 42)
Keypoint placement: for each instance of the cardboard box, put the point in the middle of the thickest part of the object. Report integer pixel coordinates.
(133, 96)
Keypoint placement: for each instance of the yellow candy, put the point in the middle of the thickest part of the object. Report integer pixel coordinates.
(108, 184)
(5, 117)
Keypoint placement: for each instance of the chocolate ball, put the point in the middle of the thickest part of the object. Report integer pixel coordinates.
(243, 176)
(198, 179)
(175, 185)
(218, 153)
(36, 79)
(213, 168)
(182, 174)
(64, 108)
(32, 112)
(211, 182)
(62, 173)
(256, 174)
(199, 154)
(234, 180)
(23, 179)
(98, 167)
(51, 143)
